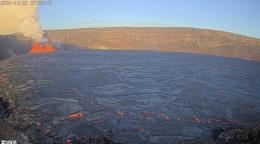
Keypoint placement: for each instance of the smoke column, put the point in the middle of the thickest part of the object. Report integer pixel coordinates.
(22, 19)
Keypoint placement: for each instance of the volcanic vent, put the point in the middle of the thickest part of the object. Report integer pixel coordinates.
(43, 46)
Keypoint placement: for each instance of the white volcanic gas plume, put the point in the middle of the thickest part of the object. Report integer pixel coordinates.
(18, 18)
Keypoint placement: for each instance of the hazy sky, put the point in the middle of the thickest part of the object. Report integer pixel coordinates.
(239, 16)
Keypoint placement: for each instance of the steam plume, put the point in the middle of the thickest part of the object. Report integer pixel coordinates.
(20, 19)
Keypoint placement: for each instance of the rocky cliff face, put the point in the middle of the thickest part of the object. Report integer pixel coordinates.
(163, 39)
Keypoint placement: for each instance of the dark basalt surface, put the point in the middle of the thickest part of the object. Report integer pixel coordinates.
(129, 97)
(13, 45)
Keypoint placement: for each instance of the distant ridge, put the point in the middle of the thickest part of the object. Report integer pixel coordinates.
(168, 39)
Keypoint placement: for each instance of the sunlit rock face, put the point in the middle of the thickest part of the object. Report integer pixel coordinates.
(163, 39)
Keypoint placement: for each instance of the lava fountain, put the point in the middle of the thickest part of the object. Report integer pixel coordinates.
(43, 46)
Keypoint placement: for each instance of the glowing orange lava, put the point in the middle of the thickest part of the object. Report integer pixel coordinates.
(75, 115)
(42, 48)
